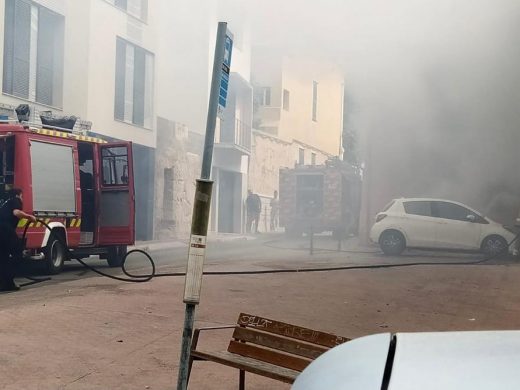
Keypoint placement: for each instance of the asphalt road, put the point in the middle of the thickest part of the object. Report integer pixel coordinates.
(266, 252)
(80, 332)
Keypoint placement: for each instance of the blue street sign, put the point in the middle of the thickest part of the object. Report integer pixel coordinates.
(226, 65)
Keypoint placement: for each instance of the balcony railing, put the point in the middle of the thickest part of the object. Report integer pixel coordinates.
(239, 135)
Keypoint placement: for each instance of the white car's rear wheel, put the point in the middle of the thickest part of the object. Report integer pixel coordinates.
(392, 242)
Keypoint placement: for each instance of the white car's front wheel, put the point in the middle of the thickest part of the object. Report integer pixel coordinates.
(494, 245)
(392, 242)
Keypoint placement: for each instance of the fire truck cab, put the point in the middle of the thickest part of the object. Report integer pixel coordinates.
(82, 187)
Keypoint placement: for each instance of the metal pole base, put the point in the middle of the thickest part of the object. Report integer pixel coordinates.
(182, 379)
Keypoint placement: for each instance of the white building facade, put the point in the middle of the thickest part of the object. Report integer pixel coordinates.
(184, 72)
(94, 59)
(298, 117)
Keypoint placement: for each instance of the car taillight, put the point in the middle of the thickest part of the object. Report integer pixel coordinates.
(380, 217)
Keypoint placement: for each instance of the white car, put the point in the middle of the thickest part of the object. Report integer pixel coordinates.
(418, 361)
(437, 224)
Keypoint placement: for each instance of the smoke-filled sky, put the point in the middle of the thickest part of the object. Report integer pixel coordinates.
(433, 86)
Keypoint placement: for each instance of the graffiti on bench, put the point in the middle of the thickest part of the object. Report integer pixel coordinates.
(289, 330)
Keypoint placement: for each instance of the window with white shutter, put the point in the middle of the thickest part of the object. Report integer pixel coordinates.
(136, 8)
(133, 84)
(33, 52)
(119, 110)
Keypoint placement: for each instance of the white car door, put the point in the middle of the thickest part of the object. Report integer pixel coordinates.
(418, 224)
(455, 230)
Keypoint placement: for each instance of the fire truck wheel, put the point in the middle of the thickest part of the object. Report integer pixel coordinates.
(116, 254)
(55, 254)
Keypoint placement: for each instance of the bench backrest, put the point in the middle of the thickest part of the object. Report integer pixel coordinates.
(279, 343)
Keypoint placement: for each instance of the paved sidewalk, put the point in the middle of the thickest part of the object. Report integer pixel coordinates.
(154, 245)
(350, 244)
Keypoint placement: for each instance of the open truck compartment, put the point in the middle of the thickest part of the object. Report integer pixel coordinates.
(6, 163)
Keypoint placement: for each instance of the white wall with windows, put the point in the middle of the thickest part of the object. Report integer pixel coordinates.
(306, 100)
(33, 53)
(186, 50)
(43, 55)
(91, 58)
(121, 83)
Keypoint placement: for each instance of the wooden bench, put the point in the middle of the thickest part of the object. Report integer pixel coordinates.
(266, 347)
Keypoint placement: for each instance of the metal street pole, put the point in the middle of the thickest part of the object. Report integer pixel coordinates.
(201, 209)
(311, 238)
(365, 211)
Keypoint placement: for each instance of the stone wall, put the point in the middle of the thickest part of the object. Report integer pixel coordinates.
(178, 161)
(269, 154)
(178, 150)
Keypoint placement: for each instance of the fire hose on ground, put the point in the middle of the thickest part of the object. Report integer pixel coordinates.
(142, 278)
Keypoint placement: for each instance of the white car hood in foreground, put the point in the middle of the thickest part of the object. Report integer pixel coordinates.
(357, 364)
(425, 361)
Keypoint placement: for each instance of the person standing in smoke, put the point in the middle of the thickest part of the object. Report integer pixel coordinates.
(253, 207)
(275, 211)
(10, 245)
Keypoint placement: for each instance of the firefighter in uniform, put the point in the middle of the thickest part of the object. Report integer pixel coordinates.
(10, 245)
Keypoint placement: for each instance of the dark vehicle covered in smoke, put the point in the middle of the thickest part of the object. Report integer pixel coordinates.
(437, 224)
(320, 197)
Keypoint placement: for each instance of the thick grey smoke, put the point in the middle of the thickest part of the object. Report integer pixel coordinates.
(435, 84)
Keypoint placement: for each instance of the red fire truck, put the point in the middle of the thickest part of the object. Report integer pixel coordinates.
(82, 187)
(320, 197)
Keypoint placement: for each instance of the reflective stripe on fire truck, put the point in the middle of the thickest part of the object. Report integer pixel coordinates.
(23, 223)
(39, 224)
(62, 134)
(75, 223)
